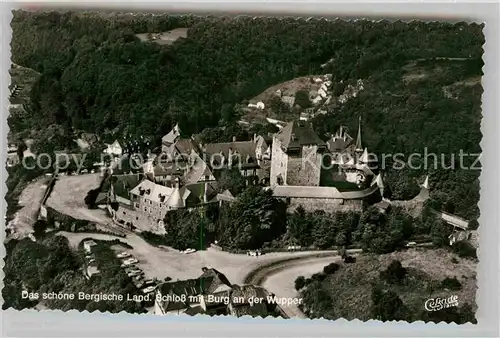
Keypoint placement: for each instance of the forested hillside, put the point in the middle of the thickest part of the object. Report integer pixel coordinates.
(98, 76)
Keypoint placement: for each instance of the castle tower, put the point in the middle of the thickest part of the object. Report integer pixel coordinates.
(296, 156)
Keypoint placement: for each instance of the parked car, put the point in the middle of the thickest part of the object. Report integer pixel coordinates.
(188, 251)
(132, 269)
(294, 247)
(123, 255)
(254, 253)
(149, 289)
(131, 260)
(135, 273)
(149, 282)
(411, 244)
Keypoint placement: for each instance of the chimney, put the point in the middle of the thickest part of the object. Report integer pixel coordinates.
(177, 183)
(292, 137)
(234, 138)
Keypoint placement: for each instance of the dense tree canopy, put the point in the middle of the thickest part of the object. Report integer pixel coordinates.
(97, 76)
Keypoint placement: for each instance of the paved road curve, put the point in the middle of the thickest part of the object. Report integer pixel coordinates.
(278, 277)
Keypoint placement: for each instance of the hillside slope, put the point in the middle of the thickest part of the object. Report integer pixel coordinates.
(348, 292)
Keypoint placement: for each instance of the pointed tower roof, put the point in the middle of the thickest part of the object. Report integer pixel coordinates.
(359, 146)
(378, 181)
(424, 191)
(425, 185)
(175, 200)
(365, 158)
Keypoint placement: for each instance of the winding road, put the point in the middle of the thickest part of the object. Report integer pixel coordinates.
(279, 276)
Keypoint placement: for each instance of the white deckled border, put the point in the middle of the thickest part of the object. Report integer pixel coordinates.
(74, 323)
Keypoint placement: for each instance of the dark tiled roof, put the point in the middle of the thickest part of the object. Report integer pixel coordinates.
(297, 134)
(244, 150)
(198, 170)
(171, 168)
(247, 292)
(245, 308)
(218, 279)
(185, 146)
(339, 144)
(192, 311)
(189, 287)
(255, 310)
(123, 184)
(198, 189)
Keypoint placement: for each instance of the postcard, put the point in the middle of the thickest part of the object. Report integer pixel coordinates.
(243, 166)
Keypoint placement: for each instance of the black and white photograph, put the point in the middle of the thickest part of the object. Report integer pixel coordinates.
(271, 167)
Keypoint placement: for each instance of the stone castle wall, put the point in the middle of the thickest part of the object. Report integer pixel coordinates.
(304, 169)
(279, 160)
(326, 204)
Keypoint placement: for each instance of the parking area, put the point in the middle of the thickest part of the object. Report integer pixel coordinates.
(165, 262)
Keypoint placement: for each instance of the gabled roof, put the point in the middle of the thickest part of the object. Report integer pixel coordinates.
(224, 196)
(218, 279)
(338, 143)
(198, 170)
(245, 150)
(297, 134)
(198, 189)
(261, 143)
(185, 146)
(172, 136)
(189, 287)
(151, 191)
(122, 184)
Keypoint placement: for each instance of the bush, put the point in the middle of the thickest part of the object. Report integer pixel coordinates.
(331, 268)
(473, 225)
(454, 260)
(349, 259)
(464, 249)
(451, 284)
(300, 282)
(318, 277)
(394, 273)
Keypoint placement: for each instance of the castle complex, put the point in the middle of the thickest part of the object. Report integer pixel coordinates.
(291, 163)
(300, 158)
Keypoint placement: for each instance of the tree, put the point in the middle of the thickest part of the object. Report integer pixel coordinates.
(440, 231)
(254, 218)
(395, 273)
(387, 305)
(451, 284)
(300, 282)
(331, 268)
(231, 179)
(302, 99)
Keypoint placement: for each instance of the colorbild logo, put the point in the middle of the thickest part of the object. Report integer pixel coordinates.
(436, 304)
